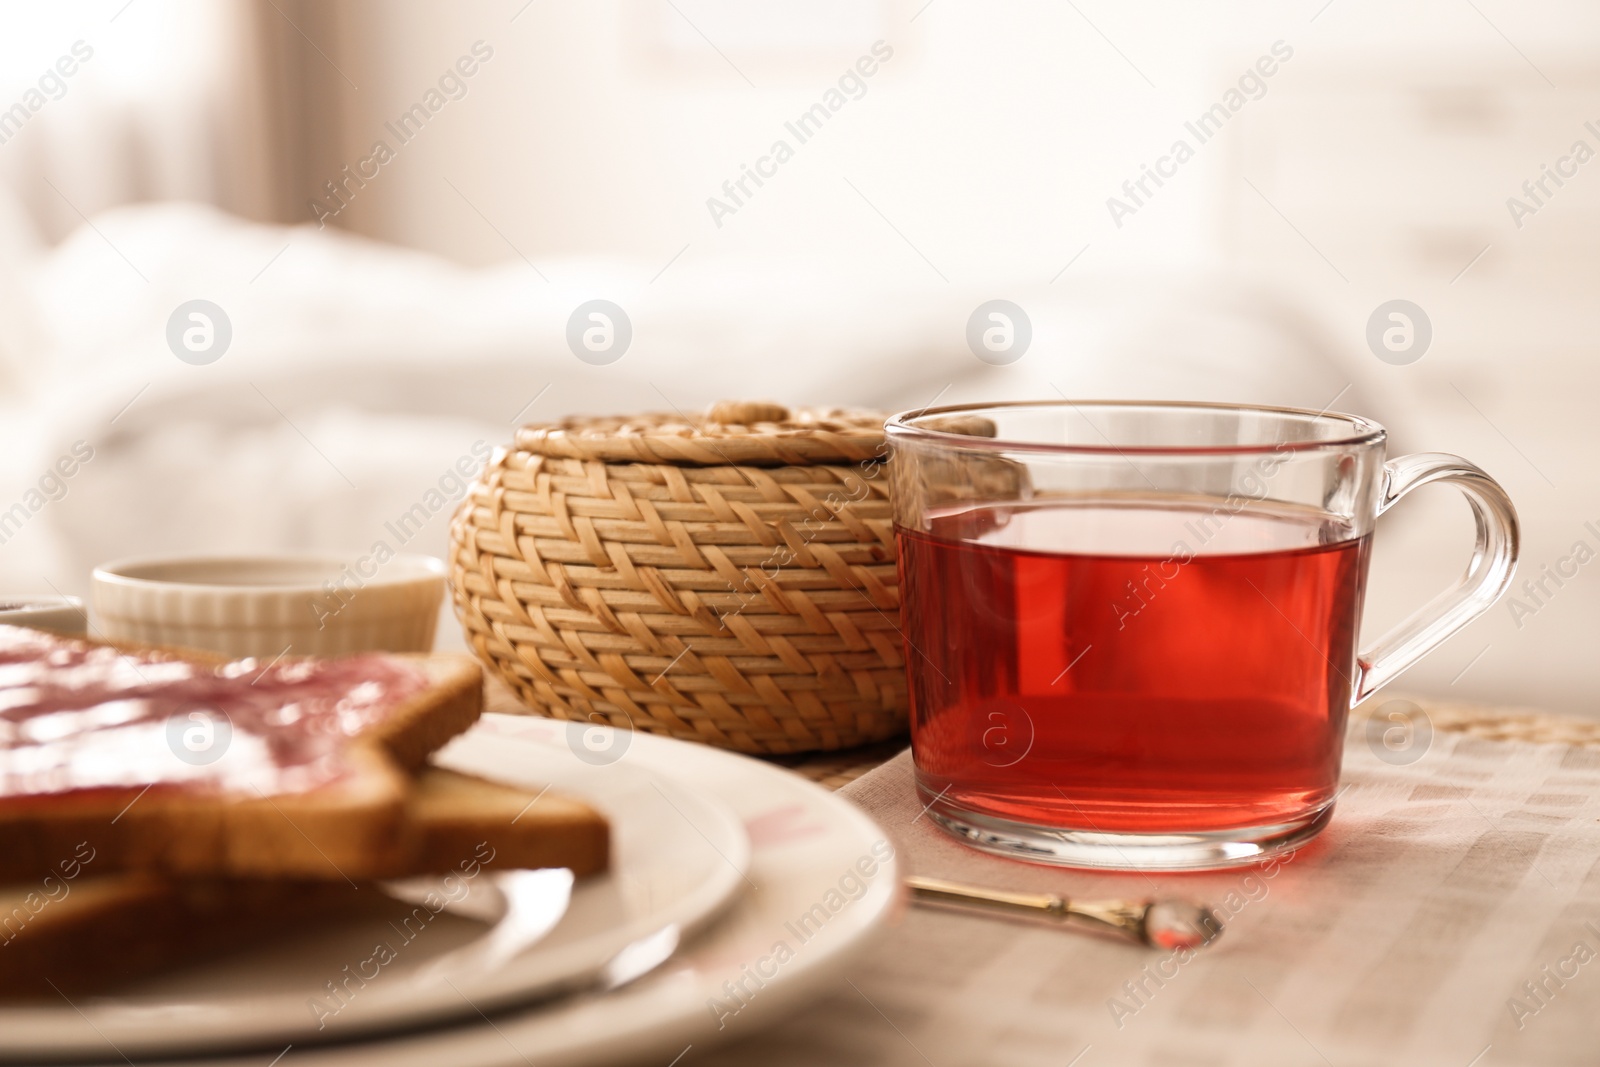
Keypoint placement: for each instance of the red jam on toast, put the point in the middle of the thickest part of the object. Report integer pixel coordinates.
(77, 717)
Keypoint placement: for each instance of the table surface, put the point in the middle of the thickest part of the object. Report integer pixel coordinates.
(1394, 940)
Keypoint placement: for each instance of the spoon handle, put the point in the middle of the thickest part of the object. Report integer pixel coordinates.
(1033, 905)
(1160, 923)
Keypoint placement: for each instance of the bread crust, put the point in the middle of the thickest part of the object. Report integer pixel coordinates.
(421, 726)
(455, 815)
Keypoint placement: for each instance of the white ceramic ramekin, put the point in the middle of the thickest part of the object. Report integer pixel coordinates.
(267, 606)
(63, 614)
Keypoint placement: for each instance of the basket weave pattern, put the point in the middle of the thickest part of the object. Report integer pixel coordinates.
(728, 583)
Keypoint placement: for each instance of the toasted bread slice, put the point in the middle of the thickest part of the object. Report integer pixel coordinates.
(66, 935)
(456, 816)
(351, 827)
(69, 938)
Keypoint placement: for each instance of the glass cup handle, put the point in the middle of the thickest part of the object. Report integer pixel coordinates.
(1494, 558)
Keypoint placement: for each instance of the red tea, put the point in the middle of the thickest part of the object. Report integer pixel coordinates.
(1130, 668)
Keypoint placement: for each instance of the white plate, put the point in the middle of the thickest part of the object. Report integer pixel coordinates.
(804, 840)
(678, 856)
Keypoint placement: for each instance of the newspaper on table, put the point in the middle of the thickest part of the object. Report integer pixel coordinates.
(1449, 915)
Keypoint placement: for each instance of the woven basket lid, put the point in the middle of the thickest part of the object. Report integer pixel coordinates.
(742, 433)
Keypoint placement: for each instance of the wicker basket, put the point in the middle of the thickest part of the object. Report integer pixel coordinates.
(730, 581)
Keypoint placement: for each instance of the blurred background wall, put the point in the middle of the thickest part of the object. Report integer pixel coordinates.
(1375, 163)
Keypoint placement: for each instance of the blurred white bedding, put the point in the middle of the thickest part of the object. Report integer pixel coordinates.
(359, 373)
